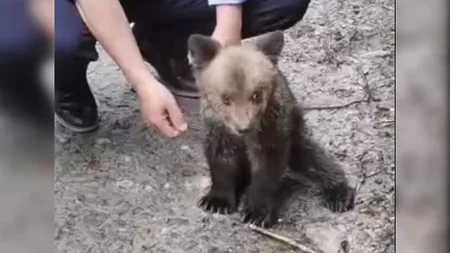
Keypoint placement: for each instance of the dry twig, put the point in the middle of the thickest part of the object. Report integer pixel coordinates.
(369, 97)
(282, 239)
(366, 176)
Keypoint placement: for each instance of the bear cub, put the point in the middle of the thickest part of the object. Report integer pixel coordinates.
(255, 131)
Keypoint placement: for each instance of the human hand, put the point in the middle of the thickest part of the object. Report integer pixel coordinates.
(159, 109)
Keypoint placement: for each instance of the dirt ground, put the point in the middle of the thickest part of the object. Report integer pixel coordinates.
(124, 189)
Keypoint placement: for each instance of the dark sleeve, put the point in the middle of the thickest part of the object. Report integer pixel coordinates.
(225, 2)
(70, 1)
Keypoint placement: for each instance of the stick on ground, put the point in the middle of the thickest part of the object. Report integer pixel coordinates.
(368, 96)
(281, 239)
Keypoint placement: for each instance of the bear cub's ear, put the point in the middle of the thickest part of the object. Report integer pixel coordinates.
(271, 44)
(202, 50)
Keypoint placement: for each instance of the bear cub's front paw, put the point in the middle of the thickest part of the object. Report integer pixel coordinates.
(215, 203)
(260, 212)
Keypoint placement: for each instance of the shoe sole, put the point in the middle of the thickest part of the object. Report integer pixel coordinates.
(74, 128)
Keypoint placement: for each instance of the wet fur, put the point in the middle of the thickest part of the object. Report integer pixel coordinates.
(255, 161)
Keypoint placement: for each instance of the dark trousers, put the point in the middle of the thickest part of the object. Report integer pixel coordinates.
(168, 23)
(22, 51)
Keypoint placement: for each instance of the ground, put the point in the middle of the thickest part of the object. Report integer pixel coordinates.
(125, 189)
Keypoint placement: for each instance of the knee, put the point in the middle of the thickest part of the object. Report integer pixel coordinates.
(66, 42)
(261, 16)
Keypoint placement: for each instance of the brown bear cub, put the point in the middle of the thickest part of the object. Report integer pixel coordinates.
(255, 131)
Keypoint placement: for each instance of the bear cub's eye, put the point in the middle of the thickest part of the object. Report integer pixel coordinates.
(257, 97)
(226, 100)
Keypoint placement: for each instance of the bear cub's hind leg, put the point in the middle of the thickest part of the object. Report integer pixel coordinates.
(313, 161)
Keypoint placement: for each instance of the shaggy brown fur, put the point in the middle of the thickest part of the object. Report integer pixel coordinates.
(256, 131)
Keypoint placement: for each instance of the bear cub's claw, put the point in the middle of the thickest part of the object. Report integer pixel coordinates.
(340, 199)
(262, 215)
(214, 203)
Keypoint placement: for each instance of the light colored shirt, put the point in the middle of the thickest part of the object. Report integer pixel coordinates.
(225, 2)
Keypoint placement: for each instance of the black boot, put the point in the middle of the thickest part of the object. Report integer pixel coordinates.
(181, 80)
(175, 72)
(75, 106)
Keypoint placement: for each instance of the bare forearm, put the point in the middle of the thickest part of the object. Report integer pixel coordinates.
(107, 22)
(228, 24)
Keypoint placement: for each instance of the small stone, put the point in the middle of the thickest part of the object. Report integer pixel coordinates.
(117, 131)
(338, 36)
(205, 219)
(177, 221)
(378, 181)
(215, 250)
(387, 134)
(102, 141)
(63, 140)
(127, 159)
(166, 186)
(345, 246)
(126, 184)
(137, 210)
(184, 148)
